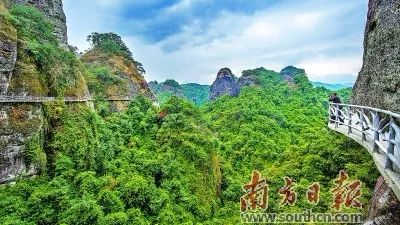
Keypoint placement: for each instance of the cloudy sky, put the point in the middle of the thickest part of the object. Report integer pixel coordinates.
(189, 40)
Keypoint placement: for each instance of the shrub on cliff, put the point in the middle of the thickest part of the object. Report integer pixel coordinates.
(43, 67)
(112, 43)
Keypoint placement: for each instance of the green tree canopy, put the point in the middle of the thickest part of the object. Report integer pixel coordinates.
(112, 43)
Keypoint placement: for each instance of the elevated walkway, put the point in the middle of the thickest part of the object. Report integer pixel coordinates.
(31, 99)
(377, 131)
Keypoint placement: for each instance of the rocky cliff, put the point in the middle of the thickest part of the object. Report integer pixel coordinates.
(114, 76)
(32, 63)
(227, 84)
(378, 83)
(8, 51)
(378, 86)
(53, 10)
(224, 84)
(384, 207)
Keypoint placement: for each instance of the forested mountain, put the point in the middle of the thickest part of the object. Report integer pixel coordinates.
(183, 164)
(333, 87)
(201, 94)
(196, 93)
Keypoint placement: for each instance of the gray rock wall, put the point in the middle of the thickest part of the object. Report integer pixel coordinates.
(18, 124)
(8, 58)
(384, 207)
(378, 83)
(225, 84)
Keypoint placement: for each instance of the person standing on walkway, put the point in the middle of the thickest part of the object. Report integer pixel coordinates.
(335, 99)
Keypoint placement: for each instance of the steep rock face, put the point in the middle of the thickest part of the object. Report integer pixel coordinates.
(53, 10)
(13, 119)
(384, 207)
(288, 73)
(21, 125)
(225, 84)
(18, 124)
(378, 83)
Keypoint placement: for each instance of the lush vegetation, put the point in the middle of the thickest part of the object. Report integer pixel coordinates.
(111, 71)
(44, 67)
(197, 93)
(174, 164)
(112, 43)
(180, 164)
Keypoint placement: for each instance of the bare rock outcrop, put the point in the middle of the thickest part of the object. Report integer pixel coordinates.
(378, 85)
(18, 125)
(224, 84)
(247, 79)
(21, 125)
(384, 207)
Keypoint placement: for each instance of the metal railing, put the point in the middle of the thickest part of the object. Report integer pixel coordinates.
(36, 99)
(375, 125)
(375, 129)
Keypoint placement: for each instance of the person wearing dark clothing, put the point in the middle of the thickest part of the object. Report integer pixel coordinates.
(335, 99)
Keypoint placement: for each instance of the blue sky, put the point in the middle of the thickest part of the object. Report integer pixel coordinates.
(190, 40)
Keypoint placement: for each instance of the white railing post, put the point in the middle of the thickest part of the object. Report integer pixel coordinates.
(375, 128)
(336, 116)
(390, 147)
(362, 120)
(329, 112)
(349, 122)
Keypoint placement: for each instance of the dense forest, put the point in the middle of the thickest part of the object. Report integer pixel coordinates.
(177, 163)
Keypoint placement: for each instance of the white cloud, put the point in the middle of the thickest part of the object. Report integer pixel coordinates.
(308, 20)
(182, 5)
(317, 38)
(321, 68)
(119, 3)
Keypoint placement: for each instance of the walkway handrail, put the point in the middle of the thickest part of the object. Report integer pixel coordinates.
(377, 130)
(22, 99)
(396, 115)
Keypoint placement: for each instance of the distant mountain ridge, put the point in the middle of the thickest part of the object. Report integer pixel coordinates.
(333, 87)
(196, 93)
(226, 83)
